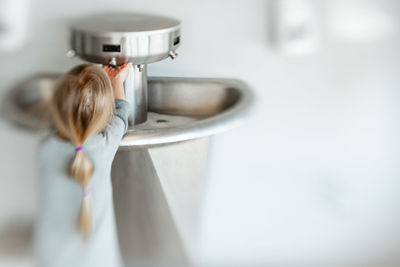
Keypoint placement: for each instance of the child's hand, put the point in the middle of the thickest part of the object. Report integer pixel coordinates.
(120, 74)
(117, 77)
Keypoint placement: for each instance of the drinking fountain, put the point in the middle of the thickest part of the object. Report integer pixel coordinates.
(115, 39)
(159, 171)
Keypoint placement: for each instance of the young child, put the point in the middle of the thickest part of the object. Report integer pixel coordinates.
(76, 225)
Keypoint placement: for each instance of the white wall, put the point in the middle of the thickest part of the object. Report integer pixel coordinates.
(311, 180)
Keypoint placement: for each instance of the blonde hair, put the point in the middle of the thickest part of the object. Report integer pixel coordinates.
(82, 105)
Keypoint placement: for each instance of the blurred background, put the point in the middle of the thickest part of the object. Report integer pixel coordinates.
(312, 179)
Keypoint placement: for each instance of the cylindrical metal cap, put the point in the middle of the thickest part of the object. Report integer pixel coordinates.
(138, 38)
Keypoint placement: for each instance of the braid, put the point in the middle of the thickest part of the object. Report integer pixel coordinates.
(82, 170)
(82, 105)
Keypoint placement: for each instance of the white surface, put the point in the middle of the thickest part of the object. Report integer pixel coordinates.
(296, 26)
(13, 24)
(312, 180)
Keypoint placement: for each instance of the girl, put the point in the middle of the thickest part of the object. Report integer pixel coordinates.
(76, 225)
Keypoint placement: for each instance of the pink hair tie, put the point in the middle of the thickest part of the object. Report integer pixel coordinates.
(79, 148)
(86, 192)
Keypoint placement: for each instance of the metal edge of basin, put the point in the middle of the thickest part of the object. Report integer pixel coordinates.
(227, 119)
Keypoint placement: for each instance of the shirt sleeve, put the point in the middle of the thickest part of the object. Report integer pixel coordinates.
(118, 126)
(122, 112)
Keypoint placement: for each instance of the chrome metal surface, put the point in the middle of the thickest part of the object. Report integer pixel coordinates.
(173, 54)
(112, 62)
(136, 94)
(140, 66)
(70, 53)
(179, 108)
(157, 196)
(134, 37)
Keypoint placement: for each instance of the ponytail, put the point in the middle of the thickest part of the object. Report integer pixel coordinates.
(82, 105)
(82, 170)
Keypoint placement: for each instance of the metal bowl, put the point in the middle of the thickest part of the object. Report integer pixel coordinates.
(134, 37)
(179, 108)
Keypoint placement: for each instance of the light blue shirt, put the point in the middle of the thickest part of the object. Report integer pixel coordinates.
(59, 242)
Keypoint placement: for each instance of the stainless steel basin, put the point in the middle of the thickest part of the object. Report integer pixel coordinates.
(179, 108)
(158, 182)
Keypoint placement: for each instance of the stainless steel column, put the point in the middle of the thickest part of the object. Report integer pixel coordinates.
(136, 94)
(157, 195)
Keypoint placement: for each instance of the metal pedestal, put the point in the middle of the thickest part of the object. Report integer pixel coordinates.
(157, 196)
